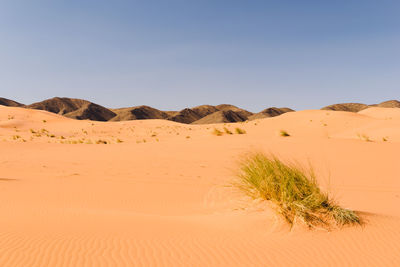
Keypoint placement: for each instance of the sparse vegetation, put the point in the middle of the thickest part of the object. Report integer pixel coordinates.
(217, 132)
(284, 133)
(227, 131)
(119, 140)
(240, 131)
(384, 139)
(364, 137)
(293, 191)
(101, 142)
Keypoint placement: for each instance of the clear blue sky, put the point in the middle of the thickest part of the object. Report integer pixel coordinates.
(176, 53)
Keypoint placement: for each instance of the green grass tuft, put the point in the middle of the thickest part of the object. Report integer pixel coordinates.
(364, 137)
(217, 132)
(293, 190)
(284, 133)
(240, 131)
(227, 131)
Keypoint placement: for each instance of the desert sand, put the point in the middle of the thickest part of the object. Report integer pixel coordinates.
(160, 193)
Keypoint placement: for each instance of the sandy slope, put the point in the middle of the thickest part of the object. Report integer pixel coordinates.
(159, 194)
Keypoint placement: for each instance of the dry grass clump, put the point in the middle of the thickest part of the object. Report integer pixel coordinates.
(227, 131)
(364, 137)
(293, 190)
(284, 133)
(240, 131)
(217, 132)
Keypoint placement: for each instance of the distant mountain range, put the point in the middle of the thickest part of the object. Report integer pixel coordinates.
(205, 114)
(356, 107)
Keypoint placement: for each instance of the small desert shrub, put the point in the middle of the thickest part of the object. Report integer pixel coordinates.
(364, 137)
(187, 137)
(119, 141)
(384, 139)
(293, 190)
(217, 132)
(227, 131)
(101, 142)
(240, 131)
(284, 133)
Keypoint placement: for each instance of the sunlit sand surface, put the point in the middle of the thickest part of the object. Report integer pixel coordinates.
(159, 193)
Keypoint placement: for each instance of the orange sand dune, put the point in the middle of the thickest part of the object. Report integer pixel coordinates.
(159, 193)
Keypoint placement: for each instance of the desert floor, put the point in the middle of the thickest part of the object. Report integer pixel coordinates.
(160, 193)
